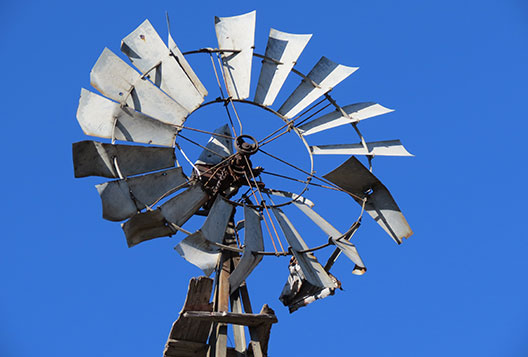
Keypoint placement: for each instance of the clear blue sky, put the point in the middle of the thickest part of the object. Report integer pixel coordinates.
(455, 71)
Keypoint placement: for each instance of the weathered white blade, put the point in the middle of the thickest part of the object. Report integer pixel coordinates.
(145, 48)
(346, 247)
(326, 74)
(376, 148)
(285, 48)
(91, 158)
(293, 196)
(355, 178)
(218, 148)
(351, 252)
(199, 248)
(114, 78)
(311, 268)
(98, 115)
(253, 242)
(237, 33)
(186, 67)
(154, 224)
(356, 112)
(122, 199)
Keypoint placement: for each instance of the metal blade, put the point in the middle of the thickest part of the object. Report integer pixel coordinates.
(154, 224)
(122, 199)
(376, 148)
(218, 148)
(237, 33)
(253, 242)
(199, 248)
(186, 67)
(285, 48)
(293, 196)
(348, 248)
(326, 74)
(115, 79)
(98, 115)
(146, 50)
(355, 178)
(356, 112)
(312, 270)
(92, 158)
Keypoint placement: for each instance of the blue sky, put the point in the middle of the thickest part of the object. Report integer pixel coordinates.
(454, 71)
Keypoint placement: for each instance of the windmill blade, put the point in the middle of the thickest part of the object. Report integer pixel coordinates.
(98, 116)
(199, 248)
(218, 147)
(312, 270)
(154, 224)
(346, 247)
(282, 47)
(376, 148)
(355, 178)
(253, 242)
(146, 50)
(122, 199)
(236, 33)
(92, 158)
(180, 58)
(115, 79)
(356, 112)
(293, 196)
(326, 74)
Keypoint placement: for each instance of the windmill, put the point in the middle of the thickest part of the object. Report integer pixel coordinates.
(154, 198)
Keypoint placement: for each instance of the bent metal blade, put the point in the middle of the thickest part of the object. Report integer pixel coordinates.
(199, 248)
(103, 118)
(356, 179)
(324, 76)
(118, 81)
(236, 33)
(218, 147)
(284, 48)
(375, 148)
(253, 242)
(92, 158)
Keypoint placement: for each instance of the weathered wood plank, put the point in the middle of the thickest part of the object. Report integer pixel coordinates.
(232, 317)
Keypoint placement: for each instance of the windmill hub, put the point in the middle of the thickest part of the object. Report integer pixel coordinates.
(245, 147)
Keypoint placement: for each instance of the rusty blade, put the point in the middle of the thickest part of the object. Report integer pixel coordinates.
(334, 235)
(218, 147)
(355, 178)
(115, 79)
(122, 199)
(375, 148)
(286, 49)
(253, 242)
(311, 268)
(154, 224)
(199, 248)
(356, 112)
(98, 116)
(92, 158)
(326, 75)
(146, 50)
(237, 33)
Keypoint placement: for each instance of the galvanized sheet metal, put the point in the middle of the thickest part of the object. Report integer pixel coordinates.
(356, 112)
(97, 116)
(237, 33)
(153, 224)
(293, 196)
(285, 48)
(114, 78)
(122, 199)
(326, 74)
(223, 147)
(199, 248)
(92, 158)
(180, 58)
(145, 49)
(355, 178)
(311, 268)
(376, 148)
(346, 247)
(253, 242)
